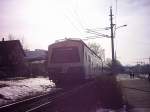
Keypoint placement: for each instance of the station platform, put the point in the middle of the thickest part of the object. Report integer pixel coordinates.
(136, 92)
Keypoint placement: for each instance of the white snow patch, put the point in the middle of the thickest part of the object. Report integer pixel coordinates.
(17, 89)
(110, 110)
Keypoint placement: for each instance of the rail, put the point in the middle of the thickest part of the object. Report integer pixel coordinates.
(22, 105)
(65, 94)
(40, 102)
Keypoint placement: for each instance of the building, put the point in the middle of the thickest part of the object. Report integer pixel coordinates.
(37, 62)
(11, 57)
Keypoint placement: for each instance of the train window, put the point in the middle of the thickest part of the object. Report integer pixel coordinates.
(65, 55)
(94, 69)
(0, 59)
(86, 56)
(97, 66)
(89, 58)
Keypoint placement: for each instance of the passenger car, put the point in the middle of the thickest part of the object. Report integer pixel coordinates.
(72, 61)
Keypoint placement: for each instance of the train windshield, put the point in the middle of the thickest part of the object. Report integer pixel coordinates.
(65, 55)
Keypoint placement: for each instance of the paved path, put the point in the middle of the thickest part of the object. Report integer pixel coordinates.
(136, 92)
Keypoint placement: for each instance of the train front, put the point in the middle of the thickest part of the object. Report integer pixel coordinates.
(65, 62)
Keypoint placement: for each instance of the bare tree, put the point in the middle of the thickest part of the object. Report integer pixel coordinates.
(98, 50)
(118, 66)
(22, 40)
(11, 37)
(24, 43)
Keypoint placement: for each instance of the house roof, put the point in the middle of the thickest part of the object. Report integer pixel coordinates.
(8, 46)
(36, 55)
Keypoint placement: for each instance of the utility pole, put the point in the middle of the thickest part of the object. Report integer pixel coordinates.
(112, 39)
(148, 60)
(99, 35)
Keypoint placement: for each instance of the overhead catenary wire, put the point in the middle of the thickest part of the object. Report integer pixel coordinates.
(76, 15)
(101, 29)
(90, 37)
(73, 24)
(97, 33)
(75, 19)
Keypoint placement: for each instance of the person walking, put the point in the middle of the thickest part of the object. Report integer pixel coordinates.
(130, 74)
(133, 75)
(149, 76)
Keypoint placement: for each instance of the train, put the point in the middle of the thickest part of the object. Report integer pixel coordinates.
(71, 61)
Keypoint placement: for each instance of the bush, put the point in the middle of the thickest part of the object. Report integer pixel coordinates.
(109, 91)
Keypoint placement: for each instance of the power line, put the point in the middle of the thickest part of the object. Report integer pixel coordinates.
(90, 37)
(78, 19)
(72, 23)
(97, 33)
(75, 16)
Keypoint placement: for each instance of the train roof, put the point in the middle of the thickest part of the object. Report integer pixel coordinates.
(76, 40)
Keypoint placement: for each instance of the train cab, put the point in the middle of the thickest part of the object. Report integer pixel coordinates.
(65, 61)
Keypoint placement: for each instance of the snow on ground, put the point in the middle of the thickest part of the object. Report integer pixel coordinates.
(108, 110)
(12, 90)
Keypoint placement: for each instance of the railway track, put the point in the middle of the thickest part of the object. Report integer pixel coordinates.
(27, 104)
(40, 103)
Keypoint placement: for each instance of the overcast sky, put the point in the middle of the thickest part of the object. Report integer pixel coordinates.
(41, 22)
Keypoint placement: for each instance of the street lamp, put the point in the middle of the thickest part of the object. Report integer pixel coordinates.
(121, 26)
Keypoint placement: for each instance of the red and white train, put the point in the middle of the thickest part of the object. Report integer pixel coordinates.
(72, 61)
